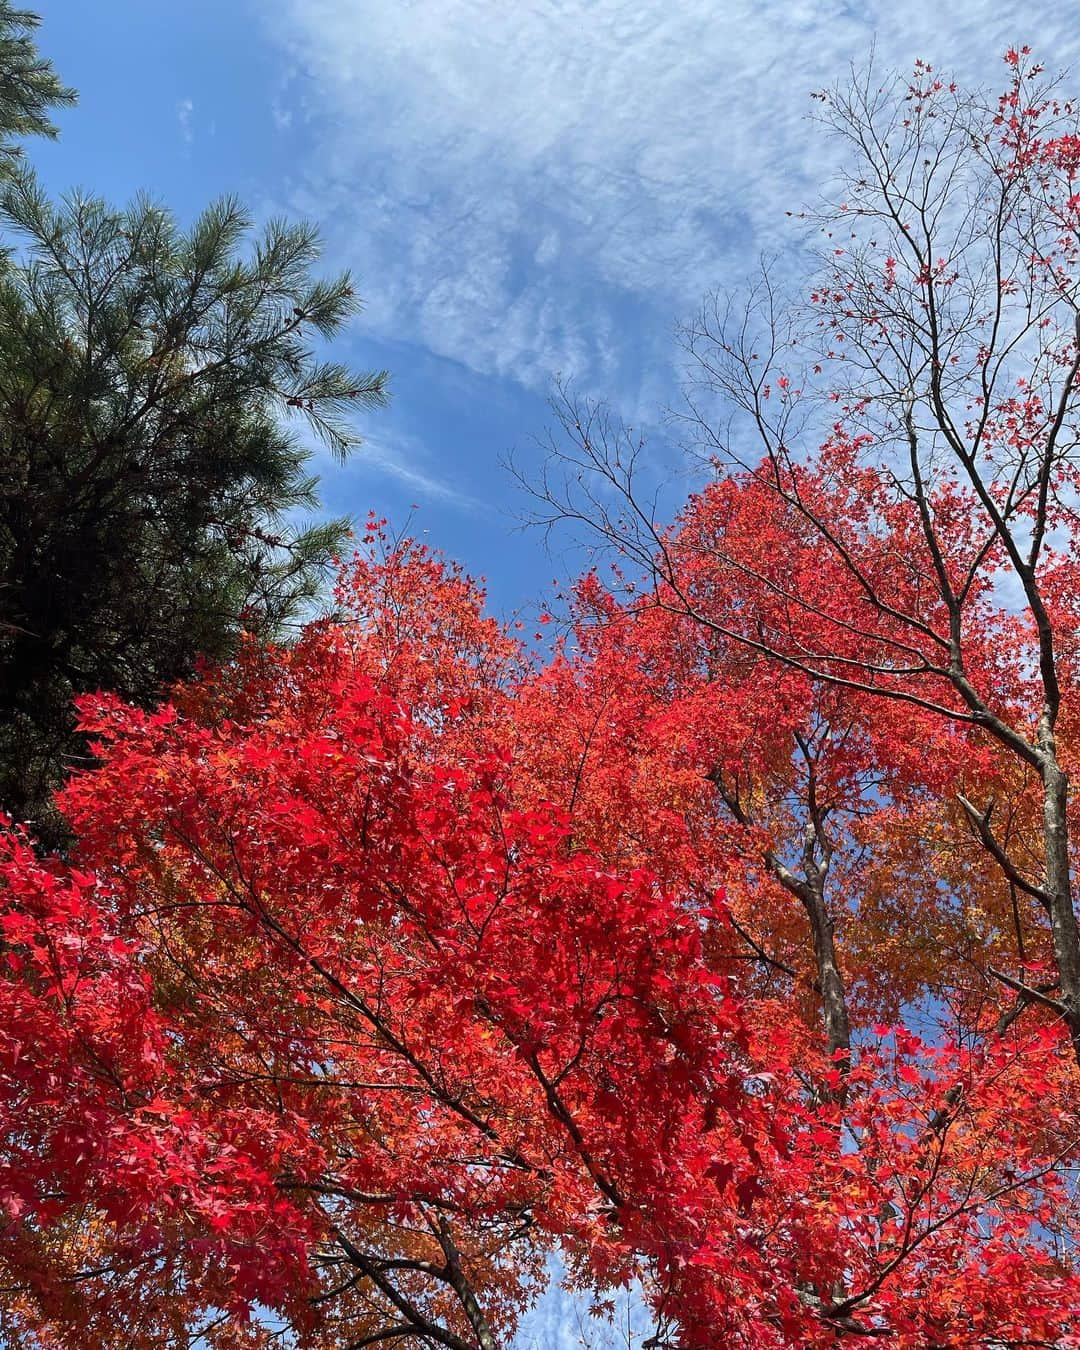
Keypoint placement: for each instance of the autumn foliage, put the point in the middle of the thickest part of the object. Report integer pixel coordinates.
(340, 1016)
(726, 948)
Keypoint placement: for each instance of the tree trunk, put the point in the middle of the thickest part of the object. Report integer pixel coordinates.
(1063, 926)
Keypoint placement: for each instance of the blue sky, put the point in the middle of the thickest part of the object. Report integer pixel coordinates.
(523, 188)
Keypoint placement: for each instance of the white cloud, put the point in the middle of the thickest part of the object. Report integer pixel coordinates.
(560, 1321)
(185, 110)
(403, 459)
(548, 184)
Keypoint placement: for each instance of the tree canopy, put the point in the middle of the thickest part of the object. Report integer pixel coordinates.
(352, 1022)
(29, 87)
(729, 946)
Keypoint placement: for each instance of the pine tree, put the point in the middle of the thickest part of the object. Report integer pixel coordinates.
(29, 86)
(154, 387)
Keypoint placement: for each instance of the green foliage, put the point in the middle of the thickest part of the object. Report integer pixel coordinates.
(151, 469)
(155, 385)
(28, 85)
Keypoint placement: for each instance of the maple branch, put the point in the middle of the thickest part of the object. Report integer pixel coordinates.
(351, 999)
(980, 821)
(809, 890)
(927, 523)
(759, 951)
(417, 1320)
(455, 1277)
(559, 1110)
(912, 1243)
(807, 606)
(1030, 993)
(1049, 456)
(1023, 1000)
(389, 1334)
(329, 1188)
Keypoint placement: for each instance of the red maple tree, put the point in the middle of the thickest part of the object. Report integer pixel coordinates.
(349, 1024)
(731, 950)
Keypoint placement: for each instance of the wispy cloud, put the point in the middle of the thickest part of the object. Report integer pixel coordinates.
(403, 459)
(558, 1322)
(185, 111)
(546, 186)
